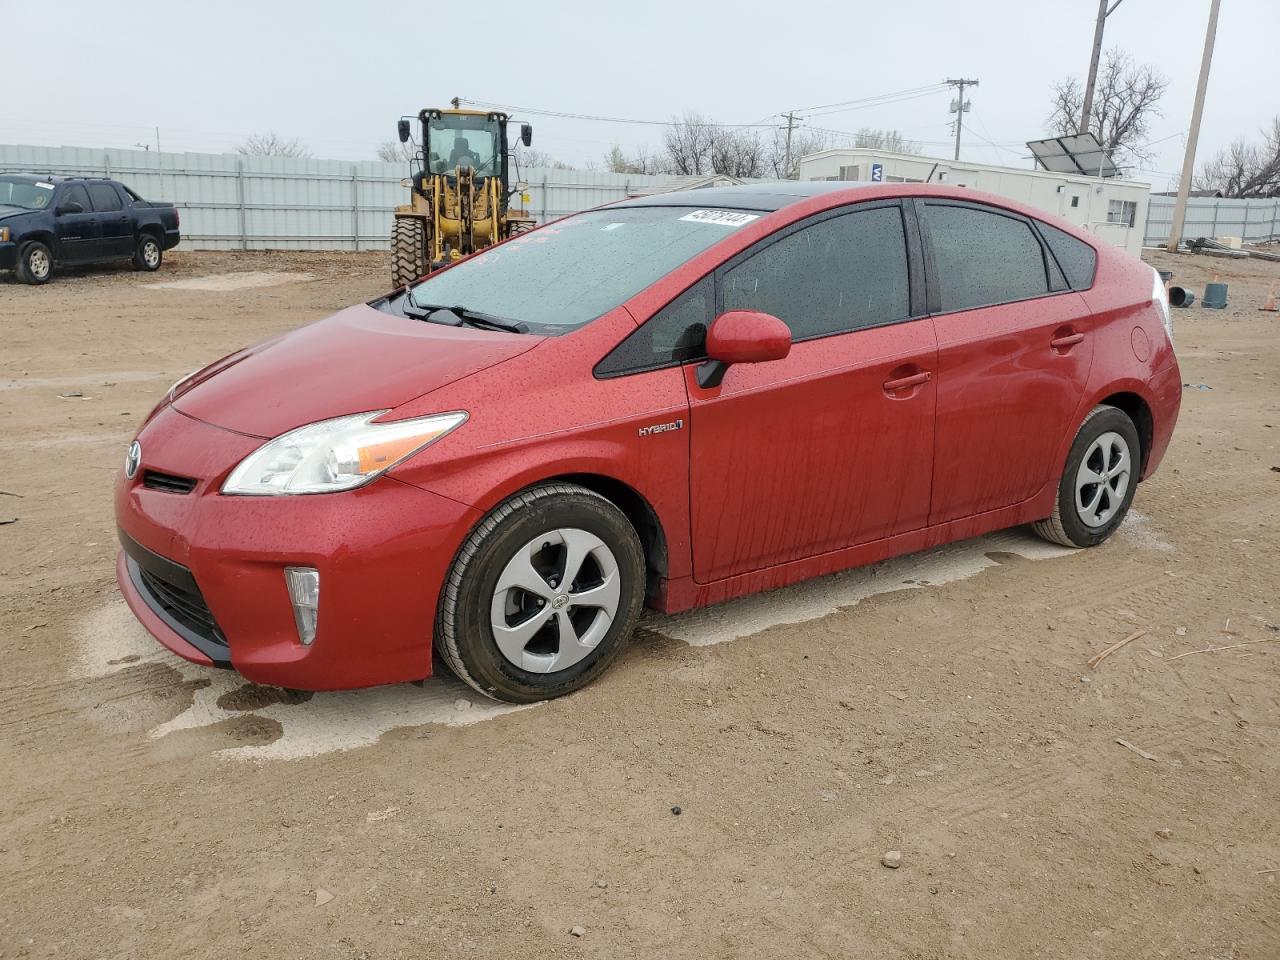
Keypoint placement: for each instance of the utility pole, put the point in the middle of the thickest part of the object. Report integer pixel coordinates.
(157, 139)
(959, 107)
(1189, 160)
(786, 162)
(1104, 11)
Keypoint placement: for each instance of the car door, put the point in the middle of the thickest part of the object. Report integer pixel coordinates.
(117, 229)
(833, 445)
(1014, 350)
(79, 234)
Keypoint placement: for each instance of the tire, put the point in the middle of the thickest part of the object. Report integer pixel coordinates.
(35, 263)
(1085, 514)
(149, 254)
(539, 532)
(408, 250)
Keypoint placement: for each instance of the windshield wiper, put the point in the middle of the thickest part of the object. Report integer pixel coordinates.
(463, 315)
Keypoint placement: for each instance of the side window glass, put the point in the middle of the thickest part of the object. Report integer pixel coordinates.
(837, 275)
(674, 334)
(104, 197)
(75, 194)
(1076, 258)
(983, 258)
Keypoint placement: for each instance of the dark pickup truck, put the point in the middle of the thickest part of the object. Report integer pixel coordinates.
(59, 221)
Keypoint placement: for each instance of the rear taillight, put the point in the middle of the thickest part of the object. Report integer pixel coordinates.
(1160, 297)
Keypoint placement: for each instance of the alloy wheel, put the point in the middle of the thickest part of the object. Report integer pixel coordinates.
(38, 263)
(1103, 479)
(555, 600)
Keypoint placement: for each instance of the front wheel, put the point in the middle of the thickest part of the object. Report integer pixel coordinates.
(1098, 482)
(408, 250)
(35, 263)
(542, 595)
(148, 254)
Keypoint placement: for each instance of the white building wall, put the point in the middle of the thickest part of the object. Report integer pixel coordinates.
(1084, 201)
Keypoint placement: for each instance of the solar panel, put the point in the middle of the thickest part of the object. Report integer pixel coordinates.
(1078, 154)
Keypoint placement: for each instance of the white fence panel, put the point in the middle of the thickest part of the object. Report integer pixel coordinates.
(232, 202)
(1252, 220)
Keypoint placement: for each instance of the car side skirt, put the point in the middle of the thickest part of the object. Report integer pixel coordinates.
(674, 596)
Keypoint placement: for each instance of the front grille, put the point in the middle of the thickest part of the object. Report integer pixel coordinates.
(168, 482)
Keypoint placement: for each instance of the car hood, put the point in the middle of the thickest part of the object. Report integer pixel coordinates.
(7, 211)
(357, 360)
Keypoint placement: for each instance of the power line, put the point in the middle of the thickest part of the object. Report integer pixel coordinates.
(567, 115)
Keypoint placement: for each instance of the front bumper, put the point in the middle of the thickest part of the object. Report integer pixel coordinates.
(8, 255)
(383, 552)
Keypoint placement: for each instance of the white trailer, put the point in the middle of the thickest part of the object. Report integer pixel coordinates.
(1113, 208)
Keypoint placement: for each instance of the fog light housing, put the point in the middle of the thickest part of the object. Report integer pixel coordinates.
(304, 593)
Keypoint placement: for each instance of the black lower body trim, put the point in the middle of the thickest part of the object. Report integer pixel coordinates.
(171, 592)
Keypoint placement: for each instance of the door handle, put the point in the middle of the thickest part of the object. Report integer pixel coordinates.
(1070, 340)
(902, 383)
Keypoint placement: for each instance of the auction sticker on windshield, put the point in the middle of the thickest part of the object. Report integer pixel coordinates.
(723, 218)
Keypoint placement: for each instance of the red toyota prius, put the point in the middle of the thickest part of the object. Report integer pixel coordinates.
(669, 401)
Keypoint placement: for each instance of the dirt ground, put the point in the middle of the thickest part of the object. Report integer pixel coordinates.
(937, 705)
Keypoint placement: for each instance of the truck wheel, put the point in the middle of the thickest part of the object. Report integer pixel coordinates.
(542, 595)
(408, 250)
(35, 263)
(148, 254)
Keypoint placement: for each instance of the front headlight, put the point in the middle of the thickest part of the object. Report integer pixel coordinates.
(4, 234)
(335, 455)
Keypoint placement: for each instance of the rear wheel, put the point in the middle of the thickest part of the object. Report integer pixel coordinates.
(35, 263)
(408, 250)
(148, 254)
(542, 595)
(1098, 482)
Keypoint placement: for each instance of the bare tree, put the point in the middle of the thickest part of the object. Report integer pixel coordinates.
(738, 153)
(1245, 169)
(393, 151)
(688, 143)
(272, 145)
(1125, 99)
(639, 160)
(889, 140)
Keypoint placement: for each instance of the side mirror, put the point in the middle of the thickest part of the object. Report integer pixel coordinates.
(742, 336)
(526, 133)
(69, 207)
(402, 128)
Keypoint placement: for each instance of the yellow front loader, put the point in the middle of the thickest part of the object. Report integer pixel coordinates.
(460, 191)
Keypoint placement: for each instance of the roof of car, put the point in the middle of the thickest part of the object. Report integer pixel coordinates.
(47, 177)
(773, 195)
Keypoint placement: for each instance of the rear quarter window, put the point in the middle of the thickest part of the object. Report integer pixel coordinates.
(1078, 260)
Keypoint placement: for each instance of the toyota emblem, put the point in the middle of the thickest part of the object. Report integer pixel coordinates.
(132, 459)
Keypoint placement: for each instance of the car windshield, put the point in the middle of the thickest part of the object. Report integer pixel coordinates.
(454, 141)
(574, 270)
(25, 194)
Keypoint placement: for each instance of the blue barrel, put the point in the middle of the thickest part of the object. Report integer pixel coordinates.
(1215, 296)
(1181, 297)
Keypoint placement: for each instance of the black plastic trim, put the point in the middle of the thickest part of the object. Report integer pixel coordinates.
(139, 561)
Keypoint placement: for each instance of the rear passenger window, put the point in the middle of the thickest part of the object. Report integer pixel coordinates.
(104, 197)
(1076, 258)
(839, 274)
(983, 258)
(674, 334)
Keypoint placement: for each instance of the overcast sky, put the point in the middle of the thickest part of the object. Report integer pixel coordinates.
(336, 75)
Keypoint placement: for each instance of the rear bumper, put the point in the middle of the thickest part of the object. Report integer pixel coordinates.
(1166, 391)
(171, 239)
(382, 551)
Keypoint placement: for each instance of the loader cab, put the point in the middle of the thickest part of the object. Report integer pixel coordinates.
(464, 138)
